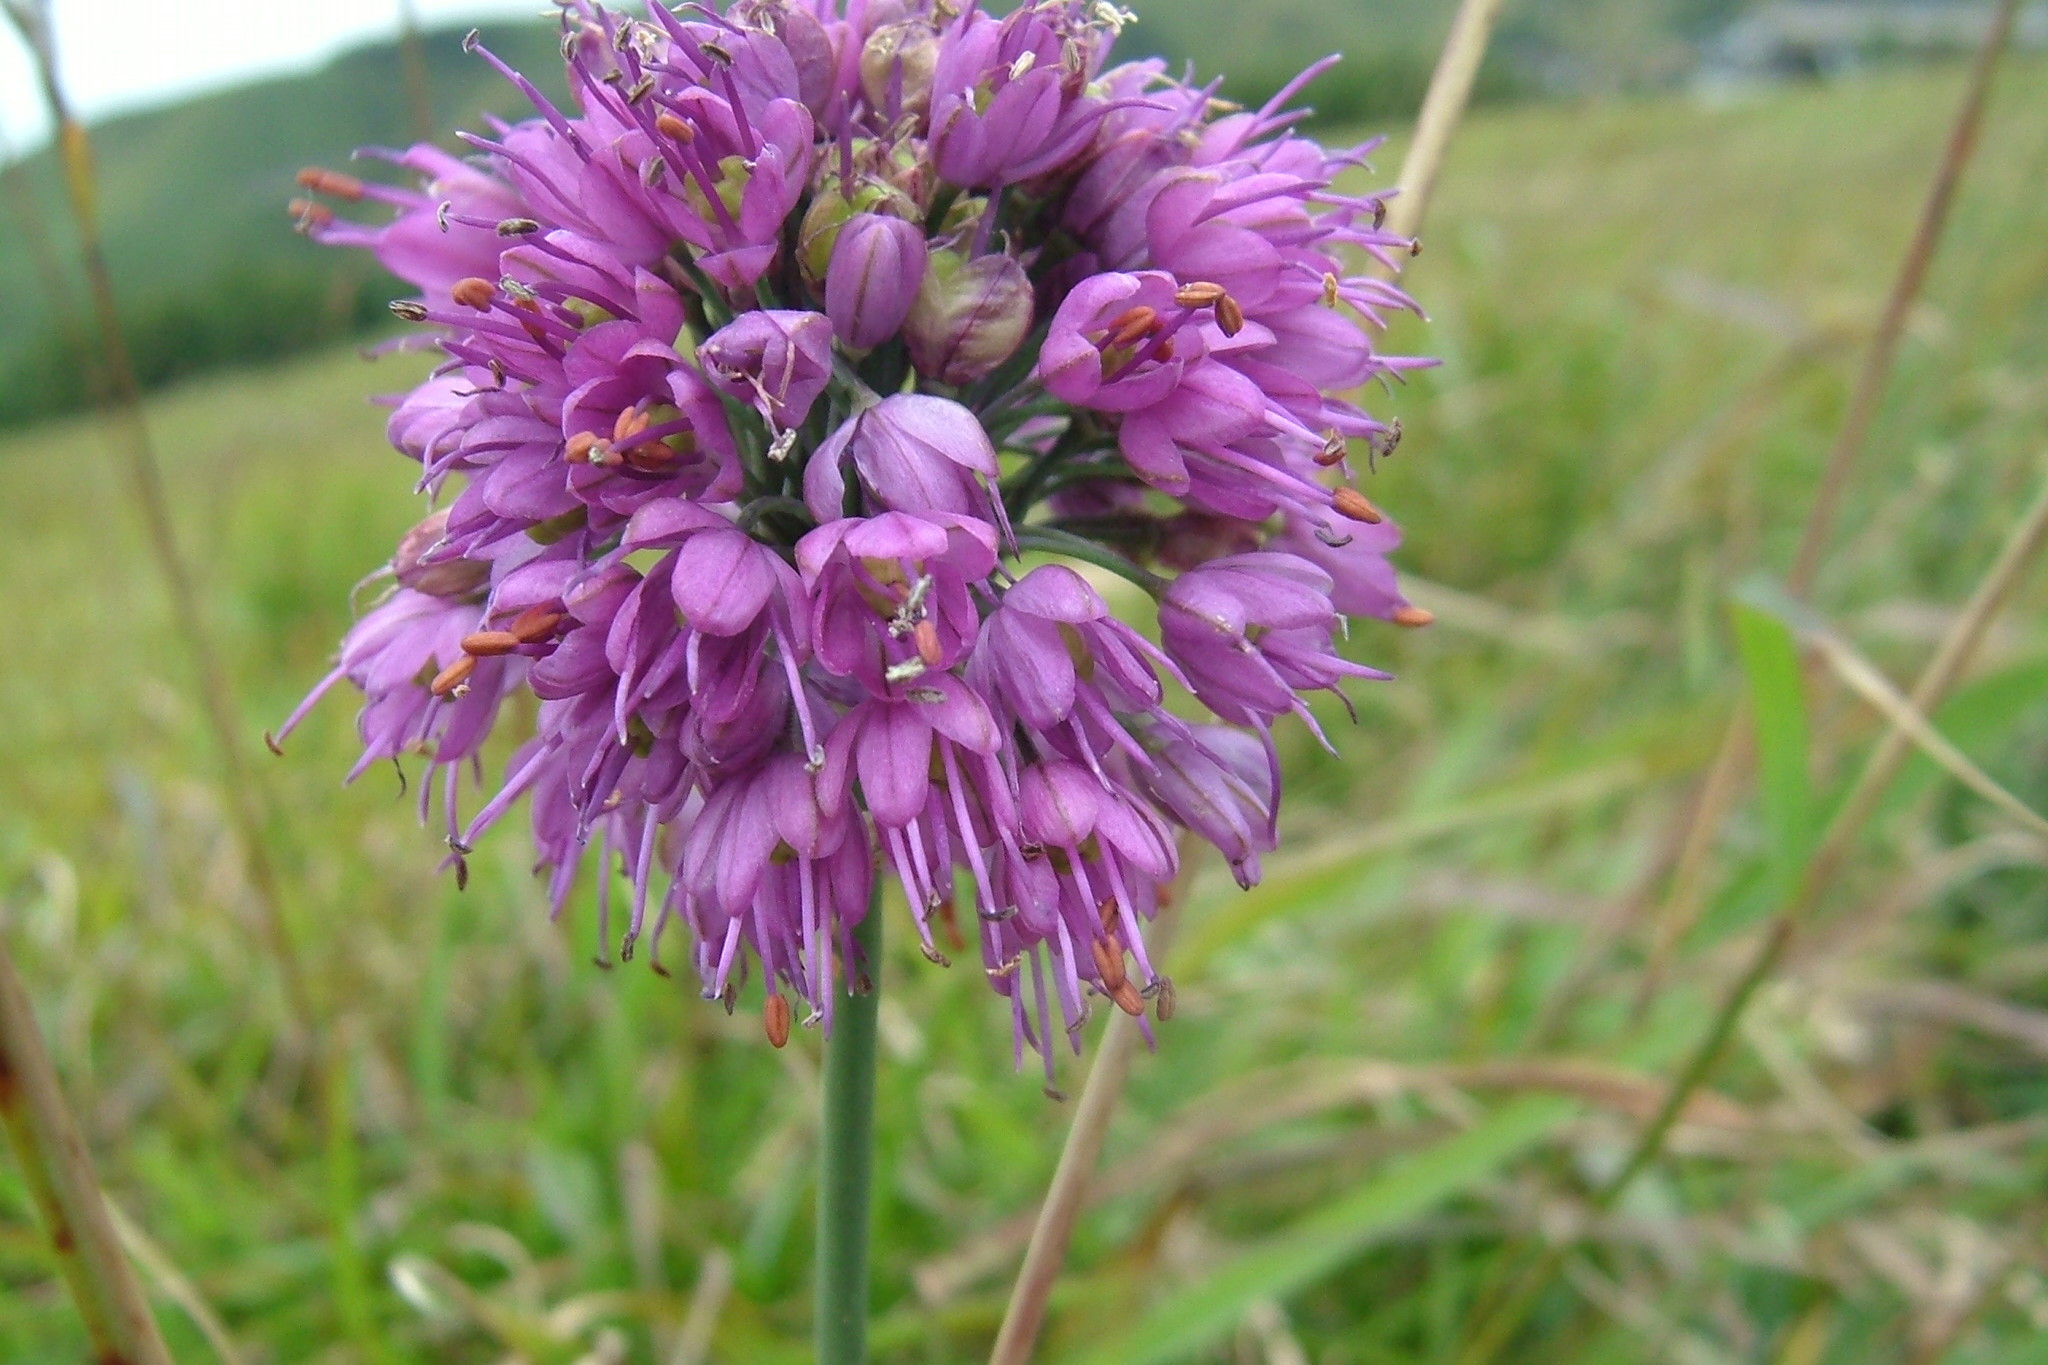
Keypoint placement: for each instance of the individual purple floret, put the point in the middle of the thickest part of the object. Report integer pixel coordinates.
(821, 386)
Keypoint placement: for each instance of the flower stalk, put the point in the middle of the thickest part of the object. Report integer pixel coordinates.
(846, 1157)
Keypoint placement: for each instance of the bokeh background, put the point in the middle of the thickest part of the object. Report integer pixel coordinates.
(1399, 1067)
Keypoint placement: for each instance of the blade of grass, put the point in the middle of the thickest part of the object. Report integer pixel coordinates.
(60, 1179)
(1496, 1329)
(1198, 1314)
(1777, 701)
(1867, 681)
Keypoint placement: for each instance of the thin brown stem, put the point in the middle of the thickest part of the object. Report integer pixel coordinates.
(1443, 107)
(60, 1179)
(1046, 1253)
(1065, 1197)
(1847, 450)
(1942, 671)
(1724, 780)
(145, 476)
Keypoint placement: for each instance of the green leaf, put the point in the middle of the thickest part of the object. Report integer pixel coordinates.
(1210, 1308)
(1770, 657)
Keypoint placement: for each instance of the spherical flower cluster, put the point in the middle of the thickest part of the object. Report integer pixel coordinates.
(802, 387)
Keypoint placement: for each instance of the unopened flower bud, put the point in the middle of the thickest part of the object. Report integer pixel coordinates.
(435, 578)
(969, 317)
(831, 210)
(877, 264)
(896, 66)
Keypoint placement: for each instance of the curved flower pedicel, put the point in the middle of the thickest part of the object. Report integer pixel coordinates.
(807, 381)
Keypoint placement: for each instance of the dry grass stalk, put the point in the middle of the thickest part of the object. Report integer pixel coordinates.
(1443, 107)
(1065, 1197)
(60, 1179)
(117, 372)
(175, 1285)
(1731, 761)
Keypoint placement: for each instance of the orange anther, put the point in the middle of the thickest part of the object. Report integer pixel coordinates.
(488, 644)
(1355, 505)
(453, 676)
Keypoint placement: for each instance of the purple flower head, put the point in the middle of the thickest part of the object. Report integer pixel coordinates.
(777, 361)
(765, 362)
(877, 264)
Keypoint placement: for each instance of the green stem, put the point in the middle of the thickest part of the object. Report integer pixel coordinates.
(847, 1142)
(1052, 540)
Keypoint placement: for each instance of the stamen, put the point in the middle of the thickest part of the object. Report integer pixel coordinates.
(473, 293)
(308, 214)
(517, 227)
(1131, 325)
(926, 634)
(1332, 451)
(1229, 316)
(1128, 1000)
(1109, 961)
(1355, 505)
(775, 1020)
(671, 126)
(322, 181)
(1201, 294)
(1414, 618)
(453, 677)
(489, 644)
(409, 310)
(535, 624)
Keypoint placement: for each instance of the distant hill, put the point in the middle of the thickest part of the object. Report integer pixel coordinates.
(208, 271)
(192, 199)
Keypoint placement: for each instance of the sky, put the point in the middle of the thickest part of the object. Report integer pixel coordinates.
(118, 55)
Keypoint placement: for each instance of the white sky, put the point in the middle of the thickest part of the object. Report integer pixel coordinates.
(125, 54)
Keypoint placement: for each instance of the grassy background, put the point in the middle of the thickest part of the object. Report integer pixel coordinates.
(1396, 1065)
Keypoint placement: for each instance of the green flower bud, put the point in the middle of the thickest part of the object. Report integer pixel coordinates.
(969, 316)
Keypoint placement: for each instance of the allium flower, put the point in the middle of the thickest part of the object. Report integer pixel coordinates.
(806, 381)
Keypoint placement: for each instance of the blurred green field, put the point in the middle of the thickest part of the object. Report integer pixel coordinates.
(1396, 1065)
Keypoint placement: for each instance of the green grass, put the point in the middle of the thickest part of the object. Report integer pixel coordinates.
(1648, 313)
